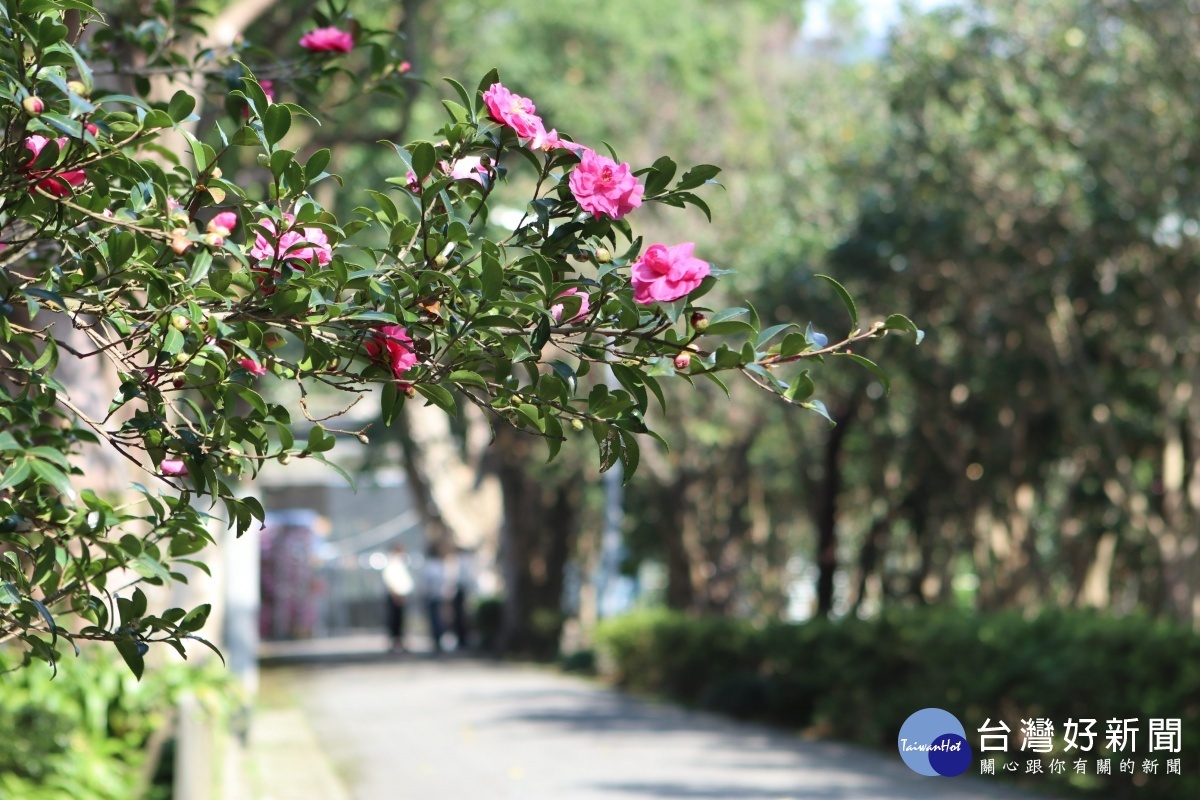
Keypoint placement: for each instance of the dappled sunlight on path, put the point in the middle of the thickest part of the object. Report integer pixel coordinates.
(472, 730)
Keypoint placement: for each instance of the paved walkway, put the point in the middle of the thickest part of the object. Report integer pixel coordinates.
(424, 729)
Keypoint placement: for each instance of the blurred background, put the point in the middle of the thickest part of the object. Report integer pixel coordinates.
(1013, 530)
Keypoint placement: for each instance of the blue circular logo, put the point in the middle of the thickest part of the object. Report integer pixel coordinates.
(933, 742)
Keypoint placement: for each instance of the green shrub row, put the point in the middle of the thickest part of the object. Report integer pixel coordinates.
(860, 679)
(93, 731)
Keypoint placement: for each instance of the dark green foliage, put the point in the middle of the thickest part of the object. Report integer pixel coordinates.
(860, 679)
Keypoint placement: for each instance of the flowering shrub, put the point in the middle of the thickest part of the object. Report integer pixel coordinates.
(187, 285)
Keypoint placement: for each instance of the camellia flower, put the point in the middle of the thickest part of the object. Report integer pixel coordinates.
(664, 273)
(293, 247)
(602, 186)
(223, 224)
(512, 110)
(253, 367)
(57, 185)
(173, 467)
(466, 168)
(405, 67)
(327, 40)
(316, 244)
(556, 310)
(411, 182)
(548, 140)
(392, 344)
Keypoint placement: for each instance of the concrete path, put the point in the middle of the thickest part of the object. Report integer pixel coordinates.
(424, 729)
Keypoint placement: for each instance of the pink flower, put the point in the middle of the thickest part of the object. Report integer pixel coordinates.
(223, 224)
(548, 140)
(392, 344)
(556, 310)
(327, 40)
(411, 182)
(56, 185)
(288, 246)
(466, 168)
(664, 273)
(253, 367)
(405, 67)
(173, 467)
(602, 186)
(512, 110)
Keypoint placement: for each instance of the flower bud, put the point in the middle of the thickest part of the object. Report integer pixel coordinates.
(78, 87)
(603, 255)
(699, 322)
(33, 105)
(405, 67)
(441, 261)
(576, 424)
(683, 361)
(410, 392)
(216, 173)
(213, 240)
(362, 437)
(179, 241)
(180, 322)
(285, 458)
(179, 382)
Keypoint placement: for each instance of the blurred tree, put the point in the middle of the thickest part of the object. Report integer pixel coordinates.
(1039, 204)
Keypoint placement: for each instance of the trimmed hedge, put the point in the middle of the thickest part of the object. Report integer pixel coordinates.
(860, 679)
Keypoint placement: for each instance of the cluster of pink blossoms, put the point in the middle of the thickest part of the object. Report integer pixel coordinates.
(604, 188)
(293, 247)
(392, 345)
(59, 185)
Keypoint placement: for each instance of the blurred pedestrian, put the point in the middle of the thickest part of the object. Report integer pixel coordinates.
(464, 584)
(433, 588)
(398, 580)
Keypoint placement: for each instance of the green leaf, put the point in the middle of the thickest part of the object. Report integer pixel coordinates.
(150, 568)
(9, 594)
(316, 164)
(769, 334)
(465, 377)
(819, 407)
(438, 396)
(131, 651)
(196, 618)
(181, 106)
(872, 367)
(16, 474)
(462, 93)
(53, 476)
(630, 455)
(801, 389)
(423, 158)
(847, 300)
(899, 322)
(661, 173)
(277, 121)
(729, 327)
(697, 176)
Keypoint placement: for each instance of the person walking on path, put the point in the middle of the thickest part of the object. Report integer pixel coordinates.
(398, 581)
(433, 588)
(464, 570)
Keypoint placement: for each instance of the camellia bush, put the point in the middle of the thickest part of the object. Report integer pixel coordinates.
(192, 288)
